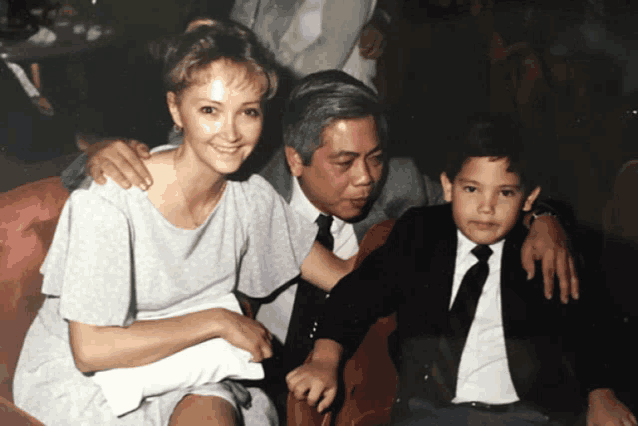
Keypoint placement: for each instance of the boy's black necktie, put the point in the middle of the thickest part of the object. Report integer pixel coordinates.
(308, 305)
(460, 318)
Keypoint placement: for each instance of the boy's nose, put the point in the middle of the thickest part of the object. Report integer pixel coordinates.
(488, 204)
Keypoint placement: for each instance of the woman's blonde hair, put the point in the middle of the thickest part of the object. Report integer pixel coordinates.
(191, 52)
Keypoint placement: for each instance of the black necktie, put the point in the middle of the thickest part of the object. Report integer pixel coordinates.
(460, 319)
(307, 308)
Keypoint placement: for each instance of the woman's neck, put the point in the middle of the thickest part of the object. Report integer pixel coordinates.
(201, 188)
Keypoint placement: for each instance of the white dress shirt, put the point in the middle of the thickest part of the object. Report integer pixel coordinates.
(483, 373)
(312, 35)
(276, 315)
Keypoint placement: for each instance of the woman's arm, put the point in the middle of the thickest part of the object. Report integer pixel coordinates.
(97, 348)
(323, 269)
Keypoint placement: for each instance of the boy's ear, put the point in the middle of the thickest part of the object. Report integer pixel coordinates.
(171, 100)
(294, 161)
(447, 187)
(529, 202)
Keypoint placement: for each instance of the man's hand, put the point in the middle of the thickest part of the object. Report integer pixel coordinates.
(371, 42)
(605, 409)
(316, 381)
(547, 242)
(119, 159)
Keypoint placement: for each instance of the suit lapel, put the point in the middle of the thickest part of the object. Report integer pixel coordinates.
(517, 301)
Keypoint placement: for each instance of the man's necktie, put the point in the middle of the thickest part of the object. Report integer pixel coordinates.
(308, 305)
(461, 317)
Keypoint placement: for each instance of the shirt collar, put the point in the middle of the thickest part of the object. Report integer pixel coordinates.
(302, 205)
(465, 247)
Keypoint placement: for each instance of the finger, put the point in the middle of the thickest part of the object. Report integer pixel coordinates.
(527, 259)
(141, 149)
(114, 173)
(130, 164)
(548, 272)
(315, 392)
(328, 397)
(292, 379)
(97, 175)
(562, 271)
(82, 144)
(377, 48)
(575, 284)
(301, 390)
(266, 349)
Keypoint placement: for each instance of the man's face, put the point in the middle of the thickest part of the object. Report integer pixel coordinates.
(344, 170)
(486, 199)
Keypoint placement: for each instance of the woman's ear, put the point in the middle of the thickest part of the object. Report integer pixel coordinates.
(294, 161)
(173, 107)
(447, 187)
(529, 201)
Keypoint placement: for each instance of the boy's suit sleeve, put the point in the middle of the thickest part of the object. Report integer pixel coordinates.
(371, 291)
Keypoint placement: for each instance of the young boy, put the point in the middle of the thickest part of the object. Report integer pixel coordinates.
(476, 345)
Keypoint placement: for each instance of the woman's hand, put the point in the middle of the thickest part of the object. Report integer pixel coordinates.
(247, 334)
(547, 242)
(119, 159)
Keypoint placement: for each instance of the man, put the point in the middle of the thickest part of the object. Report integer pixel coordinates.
(310, 36)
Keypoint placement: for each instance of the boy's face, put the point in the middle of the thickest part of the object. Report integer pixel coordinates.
(486, 199)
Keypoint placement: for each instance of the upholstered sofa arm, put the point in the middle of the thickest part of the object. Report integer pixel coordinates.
(12, 415)
(369, 376)
(29, 215)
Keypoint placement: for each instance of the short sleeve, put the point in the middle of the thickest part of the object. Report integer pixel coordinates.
(279, 239)
(89, 263)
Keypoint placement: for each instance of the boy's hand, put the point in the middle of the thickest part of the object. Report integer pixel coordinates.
(605, 409)
(547, 242)
(119, 159)
(316, 381)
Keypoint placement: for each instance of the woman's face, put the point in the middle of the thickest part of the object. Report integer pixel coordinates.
(221, 114)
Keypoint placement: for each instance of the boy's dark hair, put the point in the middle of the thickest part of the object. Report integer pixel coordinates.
(495, 135)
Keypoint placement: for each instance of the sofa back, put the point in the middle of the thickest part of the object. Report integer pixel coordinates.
(28, 217)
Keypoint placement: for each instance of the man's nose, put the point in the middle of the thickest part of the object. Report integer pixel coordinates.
(361, 173)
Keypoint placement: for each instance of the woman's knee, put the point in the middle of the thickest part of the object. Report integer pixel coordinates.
(203, 410)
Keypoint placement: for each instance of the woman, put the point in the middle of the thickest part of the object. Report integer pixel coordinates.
(121, 259)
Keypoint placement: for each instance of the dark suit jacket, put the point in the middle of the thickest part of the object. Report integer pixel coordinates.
(412, 275)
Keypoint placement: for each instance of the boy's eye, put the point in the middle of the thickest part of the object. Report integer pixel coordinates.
(208, 110)
(252, 112)
(508, 193)
(469, 188)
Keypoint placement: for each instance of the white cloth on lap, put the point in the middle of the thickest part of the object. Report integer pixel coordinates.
(208, 362)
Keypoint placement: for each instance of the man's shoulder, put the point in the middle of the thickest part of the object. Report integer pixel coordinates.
(430, 220)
